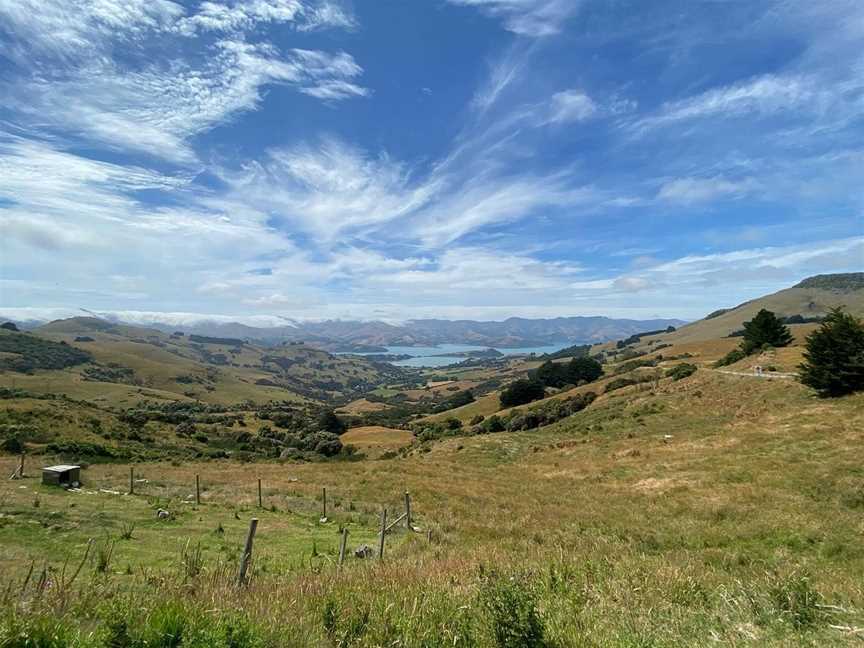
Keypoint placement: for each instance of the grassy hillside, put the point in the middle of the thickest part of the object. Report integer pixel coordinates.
(722, 508)
(811, 298)
(123, 365)
(717, 510)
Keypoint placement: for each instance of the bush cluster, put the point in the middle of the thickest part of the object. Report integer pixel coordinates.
(681, 371)
(546, 414)
(458, 399)
(576, 372)
(26, 353)
(521, 392)
(515, 421)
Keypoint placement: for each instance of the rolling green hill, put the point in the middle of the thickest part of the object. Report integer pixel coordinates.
(812, 297)
(87, 358)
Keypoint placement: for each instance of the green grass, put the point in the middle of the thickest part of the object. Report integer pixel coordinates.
(714, 510)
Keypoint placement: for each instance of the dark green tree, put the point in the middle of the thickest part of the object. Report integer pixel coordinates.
(765, 329)
(550, 374)
(578, 370)
(329, 422)
(834, 356)
(521, 392)
(585, 370)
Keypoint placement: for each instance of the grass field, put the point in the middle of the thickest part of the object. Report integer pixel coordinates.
(373, 440)
(717, 510)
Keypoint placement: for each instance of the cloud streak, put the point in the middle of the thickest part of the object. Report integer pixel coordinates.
(156, 102)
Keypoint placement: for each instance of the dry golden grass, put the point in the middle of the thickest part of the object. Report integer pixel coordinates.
(373, 440)
(676, 517)
(361, 406)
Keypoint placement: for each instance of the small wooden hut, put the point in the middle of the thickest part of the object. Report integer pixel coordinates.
(63, 475)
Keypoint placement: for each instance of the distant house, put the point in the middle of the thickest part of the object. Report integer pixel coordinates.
(63, 475)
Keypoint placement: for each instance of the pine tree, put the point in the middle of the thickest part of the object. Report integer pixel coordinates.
(765, 329)
(834, 357)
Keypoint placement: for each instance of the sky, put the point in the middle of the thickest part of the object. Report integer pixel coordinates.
(397, 159)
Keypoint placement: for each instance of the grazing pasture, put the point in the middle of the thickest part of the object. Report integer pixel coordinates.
(712, 510)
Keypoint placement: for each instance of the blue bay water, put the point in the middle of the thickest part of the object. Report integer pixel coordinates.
(426, 356)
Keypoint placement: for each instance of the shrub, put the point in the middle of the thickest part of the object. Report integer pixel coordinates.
(521, 392)
(680, 371)
(186, 428)
(24, 353)
(547, 413)
(796, 600)
(80, 449)
(834, 356)
(630, 365)
(476, 420)
(494, 424)
(511, 613)
(619, 383)
(329, 422)
(730, 358)
(12, 445)
(327, 444)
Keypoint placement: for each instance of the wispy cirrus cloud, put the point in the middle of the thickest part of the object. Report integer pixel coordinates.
(242, 16)
(329, 187)
(158, 109)
(77, 29)
(157, 98)
(512, 190)
(530, 18)
(688, 191)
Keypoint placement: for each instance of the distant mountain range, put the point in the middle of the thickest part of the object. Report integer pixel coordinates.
(347, 335)
(343, 335)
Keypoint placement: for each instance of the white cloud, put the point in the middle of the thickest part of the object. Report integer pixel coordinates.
(687, 191)
(631, 284)
(329, 188)
(480, 273)
(532, 18)
(157, 109)
(491, 199)
(173, 83)
(502, 74)
(244, 15)
(764, 94)
(74, 29)
(792, 94)
(570, 106)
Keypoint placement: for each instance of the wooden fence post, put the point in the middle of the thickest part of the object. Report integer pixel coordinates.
(324, 504)
(342, 545)
(408, 511)
(197, 490)
(260, 500)
(131, 480)
(383, 533)
(18, 473)
(246, 558)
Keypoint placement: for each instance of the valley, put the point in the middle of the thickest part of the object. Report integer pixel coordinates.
(665, 501)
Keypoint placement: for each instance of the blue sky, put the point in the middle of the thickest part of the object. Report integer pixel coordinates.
(409, 158)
